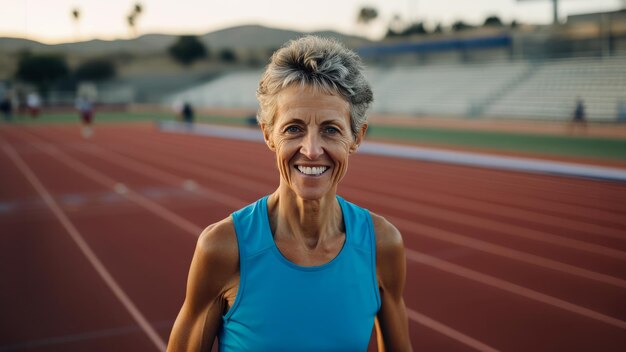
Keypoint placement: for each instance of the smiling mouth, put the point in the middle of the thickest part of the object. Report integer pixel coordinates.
(312, 171)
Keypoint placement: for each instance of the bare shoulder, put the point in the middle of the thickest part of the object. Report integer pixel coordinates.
(390, 257)
(217, 245)
(219, 237)
(214, 272)
(215, 265)
(388, 238)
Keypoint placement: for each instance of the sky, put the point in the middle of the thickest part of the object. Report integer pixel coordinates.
(50, 21)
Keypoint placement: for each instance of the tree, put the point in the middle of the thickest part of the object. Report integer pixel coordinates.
(228, 55)
(460, 26)
(493, 21)
(396, 26)
(131, 19)
(366, 15)
(95, 70)
(42, 70)
(76, 19)
(415, 28)
(187, 49)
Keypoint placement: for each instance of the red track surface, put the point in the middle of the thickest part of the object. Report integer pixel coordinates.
(496, 260)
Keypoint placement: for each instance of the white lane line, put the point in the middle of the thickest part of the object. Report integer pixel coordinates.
(84, 247)
(84, 336)
(444, 235)
(501, 227)
(536, 216)
(455, 216)
(448, 331)
(505, 285)
(510, 287)
(482, 278)
(427, 154)
(108, 182)
(488, 247)
(419, 229)
(230, 201)
(162, 176)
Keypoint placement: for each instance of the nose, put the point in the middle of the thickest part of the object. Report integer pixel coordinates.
(311, 146)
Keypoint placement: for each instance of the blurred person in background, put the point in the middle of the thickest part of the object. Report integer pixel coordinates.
(187, 114)
(621, 110)
(579, 117)
(301, 269)
(33, 102)
(85, 110)
(6, 106)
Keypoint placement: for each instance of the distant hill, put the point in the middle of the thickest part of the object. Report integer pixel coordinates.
(16, 44)
(240, 37)
(259, 37)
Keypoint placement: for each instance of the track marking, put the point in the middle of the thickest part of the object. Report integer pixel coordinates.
(120, 188)
(85, 336)
(448, 331)
(438, 234)
(84, 247)
(435, 233)
(510, 287)
(108, 182)
(502, 228)
(452, 237)
(416, 317)
(536, 217)
(487, 280)
(471, 159)
(163, 176)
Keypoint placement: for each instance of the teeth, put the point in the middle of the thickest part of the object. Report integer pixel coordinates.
(316, 170)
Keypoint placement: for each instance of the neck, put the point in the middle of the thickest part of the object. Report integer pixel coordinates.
(308, 222)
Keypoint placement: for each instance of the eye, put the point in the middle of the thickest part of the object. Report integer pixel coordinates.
(331, 130)
(292, 129)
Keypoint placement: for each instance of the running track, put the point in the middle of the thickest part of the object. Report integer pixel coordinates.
(97, 236)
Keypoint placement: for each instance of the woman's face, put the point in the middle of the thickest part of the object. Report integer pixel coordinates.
(312, 139)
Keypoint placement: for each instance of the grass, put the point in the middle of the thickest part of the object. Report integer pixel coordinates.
(574, 146)
(578, 146)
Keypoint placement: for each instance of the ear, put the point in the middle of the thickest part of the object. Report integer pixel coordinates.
(267, 136)
(359, 139)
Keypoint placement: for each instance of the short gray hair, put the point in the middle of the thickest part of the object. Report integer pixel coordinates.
(321, 63)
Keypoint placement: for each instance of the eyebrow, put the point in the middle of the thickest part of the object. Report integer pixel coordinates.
(328, 120)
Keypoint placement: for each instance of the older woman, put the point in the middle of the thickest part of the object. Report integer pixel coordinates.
(301, 269)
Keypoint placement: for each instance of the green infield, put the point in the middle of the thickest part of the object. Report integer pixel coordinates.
(100, 117)
(574, 146)
(577, 146)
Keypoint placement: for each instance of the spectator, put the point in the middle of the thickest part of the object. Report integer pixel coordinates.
(33, 102)
(579, 116)
(85, 109)
(621, 110)
(187, 113)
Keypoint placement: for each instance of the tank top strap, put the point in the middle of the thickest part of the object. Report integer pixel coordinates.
(251, 224)
(252, 227)
(361, 233)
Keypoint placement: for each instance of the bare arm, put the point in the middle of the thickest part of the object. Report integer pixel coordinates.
(213, 277)
(392, 326)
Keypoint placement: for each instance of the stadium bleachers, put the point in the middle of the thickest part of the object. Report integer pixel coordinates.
(552, 90)
(234, 90)
(440, 89)
(508, 89)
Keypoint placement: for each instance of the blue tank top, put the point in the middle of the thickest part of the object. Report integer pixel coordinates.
(281, 306)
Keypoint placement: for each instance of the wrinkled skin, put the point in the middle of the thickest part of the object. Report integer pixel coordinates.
(311, 129)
